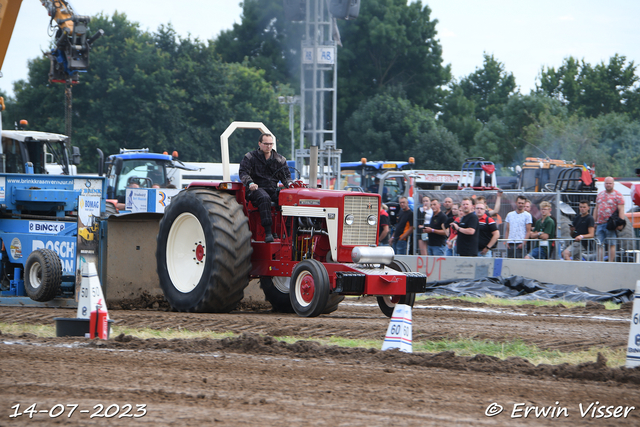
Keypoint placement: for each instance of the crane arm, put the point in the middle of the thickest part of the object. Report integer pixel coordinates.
(8, 14)
(72, 45)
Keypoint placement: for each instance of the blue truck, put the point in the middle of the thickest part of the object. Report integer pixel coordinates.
(38, 232)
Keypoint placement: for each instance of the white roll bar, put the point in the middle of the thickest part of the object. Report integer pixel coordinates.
(224, 142)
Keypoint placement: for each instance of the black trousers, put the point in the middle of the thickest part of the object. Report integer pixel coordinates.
(262, 198)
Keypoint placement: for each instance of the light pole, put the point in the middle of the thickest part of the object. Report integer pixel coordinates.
(291, 101)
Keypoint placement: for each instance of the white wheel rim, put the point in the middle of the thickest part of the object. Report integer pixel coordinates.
(298, 288)
(282, 283)
(186, 252)
(35, 275)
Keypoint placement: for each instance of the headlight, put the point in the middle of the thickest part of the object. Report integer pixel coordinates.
(348, 219)
(372, 220)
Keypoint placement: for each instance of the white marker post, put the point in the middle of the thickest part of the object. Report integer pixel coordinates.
(633, 347)
(399, 332)
(90, 292)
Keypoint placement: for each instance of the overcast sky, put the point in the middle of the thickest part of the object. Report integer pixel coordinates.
(523, 35)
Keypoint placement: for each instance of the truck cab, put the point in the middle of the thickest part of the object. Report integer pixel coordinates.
(47, 152)
(137, 167)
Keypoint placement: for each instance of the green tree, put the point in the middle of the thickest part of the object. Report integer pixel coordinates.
(155, 91)
(611, 141)
(392, 128)
(391, 43)
(265, 40)
(501, 139)
(593, 90)
(459, 116)
(489, 87)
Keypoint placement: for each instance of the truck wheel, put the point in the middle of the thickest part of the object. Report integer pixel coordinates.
(43, 275)
(387, 303)
(309, 292)
(276, 291)
(204, 252)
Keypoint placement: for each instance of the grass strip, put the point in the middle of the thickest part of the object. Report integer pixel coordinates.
(493, 300)
(461, 347)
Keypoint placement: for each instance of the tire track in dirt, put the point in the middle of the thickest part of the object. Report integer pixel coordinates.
(552, 328)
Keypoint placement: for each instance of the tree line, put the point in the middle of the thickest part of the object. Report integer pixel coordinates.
(396, 97)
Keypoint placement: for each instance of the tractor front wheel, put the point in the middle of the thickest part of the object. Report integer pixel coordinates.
(309, 292)
(388, 303)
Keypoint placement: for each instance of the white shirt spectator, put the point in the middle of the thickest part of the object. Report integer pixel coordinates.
(518, 225)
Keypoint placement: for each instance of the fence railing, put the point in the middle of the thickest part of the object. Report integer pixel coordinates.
(625, 249)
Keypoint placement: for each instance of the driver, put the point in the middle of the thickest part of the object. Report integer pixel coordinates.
(260, 171)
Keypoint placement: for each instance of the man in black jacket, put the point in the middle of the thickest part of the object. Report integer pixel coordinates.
(260, 171)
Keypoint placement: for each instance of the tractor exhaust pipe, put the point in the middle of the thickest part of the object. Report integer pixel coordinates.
(313, 167)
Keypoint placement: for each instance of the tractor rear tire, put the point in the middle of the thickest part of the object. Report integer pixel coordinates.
(279, 300)
(204, 252)
(388, 303)
(309, 290)
(42, 275)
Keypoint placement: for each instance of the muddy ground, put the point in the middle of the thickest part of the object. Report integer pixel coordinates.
(255, 380)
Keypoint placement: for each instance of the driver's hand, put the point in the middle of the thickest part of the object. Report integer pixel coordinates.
(253, 186)
(290, 185)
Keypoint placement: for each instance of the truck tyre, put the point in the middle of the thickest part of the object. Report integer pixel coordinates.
(276, 294)
(204, 252)
(387, 303)
(276, 291)
(309, 292)
(43, 275)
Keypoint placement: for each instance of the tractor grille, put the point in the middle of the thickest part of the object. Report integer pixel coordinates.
(360, 232)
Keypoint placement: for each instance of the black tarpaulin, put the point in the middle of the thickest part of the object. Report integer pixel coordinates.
(522, 288)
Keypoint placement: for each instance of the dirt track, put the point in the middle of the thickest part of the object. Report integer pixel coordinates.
(255, 380)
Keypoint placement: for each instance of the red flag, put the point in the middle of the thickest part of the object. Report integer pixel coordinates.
(586, 176)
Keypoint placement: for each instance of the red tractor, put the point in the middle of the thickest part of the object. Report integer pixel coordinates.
(210, 244)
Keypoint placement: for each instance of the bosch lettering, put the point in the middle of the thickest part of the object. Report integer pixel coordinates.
(65, 250)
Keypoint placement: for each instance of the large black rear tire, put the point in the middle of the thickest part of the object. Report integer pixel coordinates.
(388, 303)
(42, 275)
(204, 252)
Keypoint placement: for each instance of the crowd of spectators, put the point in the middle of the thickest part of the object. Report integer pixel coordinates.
(471, 227)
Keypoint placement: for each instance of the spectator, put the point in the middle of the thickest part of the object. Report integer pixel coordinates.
(488, 233)
(453, 234)
(403, 228)
(424, 218)
(467, 241)
(448, 206)
(437, 231)
(606, 204)
(544, 230)
(583, 227)
(491, 212)
(260, 171)
(383, 230)
(517, 228)
(527, 205)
